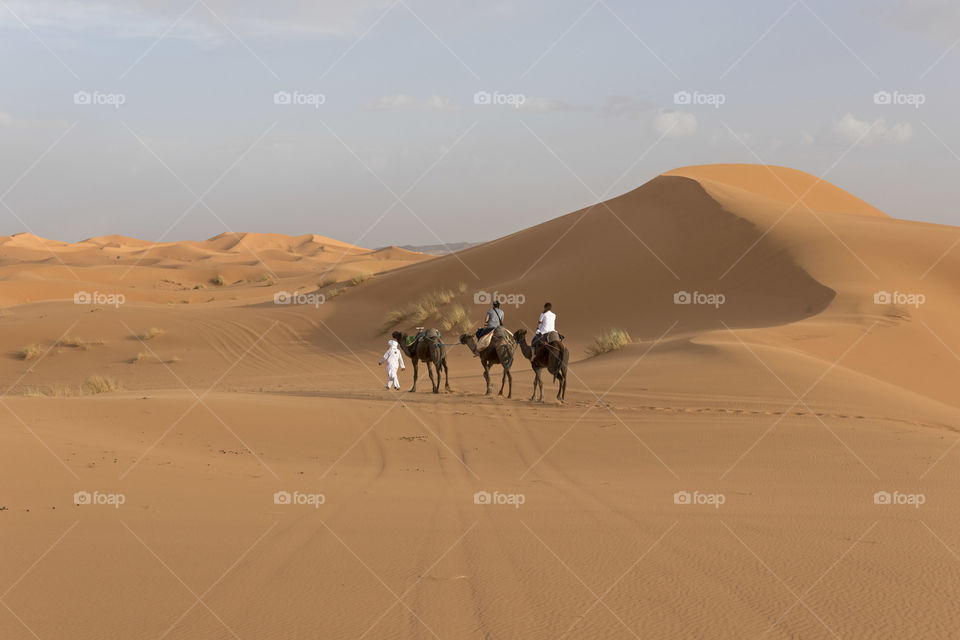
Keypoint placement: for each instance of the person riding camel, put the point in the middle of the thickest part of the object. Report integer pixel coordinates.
(493, 319)
(394, 358)
(546, 324)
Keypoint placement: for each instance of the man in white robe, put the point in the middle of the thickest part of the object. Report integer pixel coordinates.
(394, 358)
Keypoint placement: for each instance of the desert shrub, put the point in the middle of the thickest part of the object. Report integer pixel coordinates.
(100, 384)
(360, 277)
(218, 280)
(454, 318)
(428, 305)
(151, 333)
(31, 351)
(56, 391)
(610, 341)
(76, 342)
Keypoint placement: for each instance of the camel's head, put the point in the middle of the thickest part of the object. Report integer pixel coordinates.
(397, 336)
(464, 338)
(520, 335)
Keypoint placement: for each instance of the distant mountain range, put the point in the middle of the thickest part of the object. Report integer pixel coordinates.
(440, 249)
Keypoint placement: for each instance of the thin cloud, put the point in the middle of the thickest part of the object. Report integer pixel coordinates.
(149, 19)
(849, 129)
(548, 105)
(935, 19)
(626, 107)
(10, 121)
(675, 124)
(404, 101)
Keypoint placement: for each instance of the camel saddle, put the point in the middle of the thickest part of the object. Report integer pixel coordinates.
(429, 334)
(484, 342)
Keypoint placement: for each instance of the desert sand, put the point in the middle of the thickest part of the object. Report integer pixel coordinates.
(828, 374)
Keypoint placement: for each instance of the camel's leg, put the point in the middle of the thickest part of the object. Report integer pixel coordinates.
(536, 376)
(486, 377)
(434, 387)
(503, 381)
(446, 374)
(510, 379)
(415, 372)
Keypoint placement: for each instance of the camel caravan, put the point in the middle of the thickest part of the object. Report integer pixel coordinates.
(493, 344)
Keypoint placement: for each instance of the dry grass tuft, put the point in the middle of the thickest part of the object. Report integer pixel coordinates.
(76, 342)
(456, 319)
(429, 305)
(360, 277)
(218, 281)
(100, 384)
(31, 351)
(610, 341)
(151, 333)
(56, 391)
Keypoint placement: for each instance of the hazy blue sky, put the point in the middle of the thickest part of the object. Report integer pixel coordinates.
(400, 151)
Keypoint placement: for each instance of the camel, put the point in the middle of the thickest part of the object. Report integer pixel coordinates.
(554, 357)
(499, 351)
(430, 349)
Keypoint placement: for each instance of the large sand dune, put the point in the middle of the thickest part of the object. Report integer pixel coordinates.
(797, 399)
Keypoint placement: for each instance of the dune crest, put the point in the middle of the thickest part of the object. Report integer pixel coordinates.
(781, 184)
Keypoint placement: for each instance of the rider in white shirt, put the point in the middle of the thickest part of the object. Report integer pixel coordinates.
(546, 324)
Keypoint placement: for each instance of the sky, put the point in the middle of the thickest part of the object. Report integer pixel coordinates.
(383, 122)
